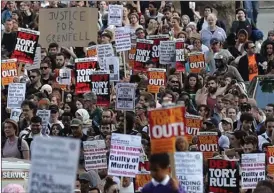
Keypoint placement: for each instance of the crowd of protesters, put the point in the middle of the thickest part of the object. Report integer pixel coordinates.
(217, 94)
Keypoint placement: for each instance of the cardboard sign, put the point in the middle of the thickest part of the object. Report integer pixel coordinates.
(124, 155)
(112, 65)
(143, 54)
(189, 171)
(196, 62)
(125, 97)
(92, 51)
(84, 68)
(252, 170)
(223, 176)
(103, 51)
(270, 161)
(68, 26)
(122, 39)
(208, 143)
(9, 71)
(115, 15)
(141, 180)
(36, 61)
(45, 116)
(131, 55)
(16, 95)
(164, 126)
(180, 56)
(101, 87)
(192, 126)
(54, 163)
(25, 46)
(156, 79)
(15, 114)
(167, 52)
(95, 154)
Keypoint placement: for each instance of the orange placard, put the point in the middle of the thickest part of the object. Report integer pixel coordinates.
(192, 126)
(196, 62)
(141, 180)
(9, 71)
(208, 143)
(92, 51)
(131, 55)
(156, 79)
(165, 125)
(270, 160)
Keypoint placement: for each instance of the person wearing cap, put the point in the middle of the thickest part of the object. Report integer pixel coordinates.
(54, 115)
(89, 180)
(106, 37)
(226, 125)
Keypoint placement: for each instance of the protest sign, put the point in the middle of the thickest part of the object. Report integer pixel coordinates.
(68, 26)
(270, 161)
(192, 126)
(84, 68)
(156, 79)
(189, 171)
(112, 65)
(36, 61)
(64, 77)
(92, 51)
(122, 39)
(180, 56)
(15, 114)
(131, 55)
(101, 87)
(95, 154)
(125, 97)
(165, 125)
(54, 163)
(208, 143)
(124, 155)
(115, 15)
(252, 170)
(103, 51)
(45, 116)
(9, 71)
(16, 95)
(223, 176)
(167, 52)
(143, 54)
(141, 180)
(25, 46)
(196, 62)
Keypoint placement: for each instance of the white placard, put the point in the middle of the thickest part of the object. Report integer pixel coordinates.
(54, 163)
(167, 52)
(189, 170)
(95, 154)
(64, 77)
(124, 155)
(45, 116)
(36, 61)
(122, 39)
(15, 114)
(112, 65)
(252, 170)
(103, 51)
(16, 95)
(125, 96)
(115, 15)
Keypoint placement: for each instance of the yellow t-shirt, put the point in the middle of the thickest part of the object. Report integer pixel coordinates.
(252, 67)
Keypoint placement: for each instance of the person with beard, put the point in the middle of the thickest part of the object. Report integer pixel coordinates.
(66, 119)
(153, 8)
(129, 122)
(35, 82)
(105, 129)
(174, 84)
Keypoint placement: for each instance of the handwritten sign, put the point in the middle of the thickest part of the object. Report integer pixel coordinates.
(156, 79)
(16, 95)
(122, 39)
(9, 71)
(167, 52)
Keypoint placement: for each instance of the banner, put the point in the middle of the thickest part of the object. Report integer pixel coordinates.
(156, 79)
(131, 55)
(125, 97)
(15, 114)
(25, 46)
(103, 51)
(189, 171)
(141, 180)
(252, 170)
(124, 155)
(9, 71)
(208, 143)
(167, 52)
(223, 176)
(36, 61)
(143, 54)
(16, 95)
(95, 154)
(196, 62)
(112, 65)
(180, 56)
(45, 116)
(270, 161)
(165, 125)
(192, 126)
(84, 68)
(68, 26)
(101, 87)
(115, 15)
(92, 51)
(54, 164)
(122, 39)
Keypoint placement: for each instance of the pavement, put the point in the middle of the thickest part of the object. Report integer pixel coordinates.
(266, 20)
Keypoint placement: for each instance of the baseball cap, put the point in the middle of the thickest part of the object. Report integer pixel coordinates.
(212, 121)
(53, 108)
(214, 40)
(228, 120)
(75, 122)
(245, 107)
(91, 176)
(90, 96)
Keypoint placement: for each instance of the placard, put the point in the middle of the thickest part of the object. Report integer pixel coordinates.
(16, 95)
(122, 39)
(143, 54)
(180, 56)
(54, 164)
(193, 125)
(156, 79)
(45, 116)
(92, 51)
(125, 97)
(189, 171)
(36, 61)
(68, 26)
(9, 71)
(270, 161)
(131, 55)
(103, 51)
(115, 15)
(95, 154)
(165, 125)
(112, 65)
(167, 52)
(124, 155)
(196, 62)
(208, 143)
(100, 87)
(15, 114)
(64, 77)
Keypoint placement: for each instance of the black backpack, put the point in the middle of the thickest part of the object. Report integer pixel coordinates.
(19, 146)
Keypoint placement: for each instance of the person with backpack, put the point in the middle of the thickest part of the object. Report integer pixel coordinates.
(12, 145)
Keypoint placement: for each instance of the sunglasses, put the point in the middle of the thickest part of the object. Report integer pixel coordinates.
(173, 81)
(44, 68)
